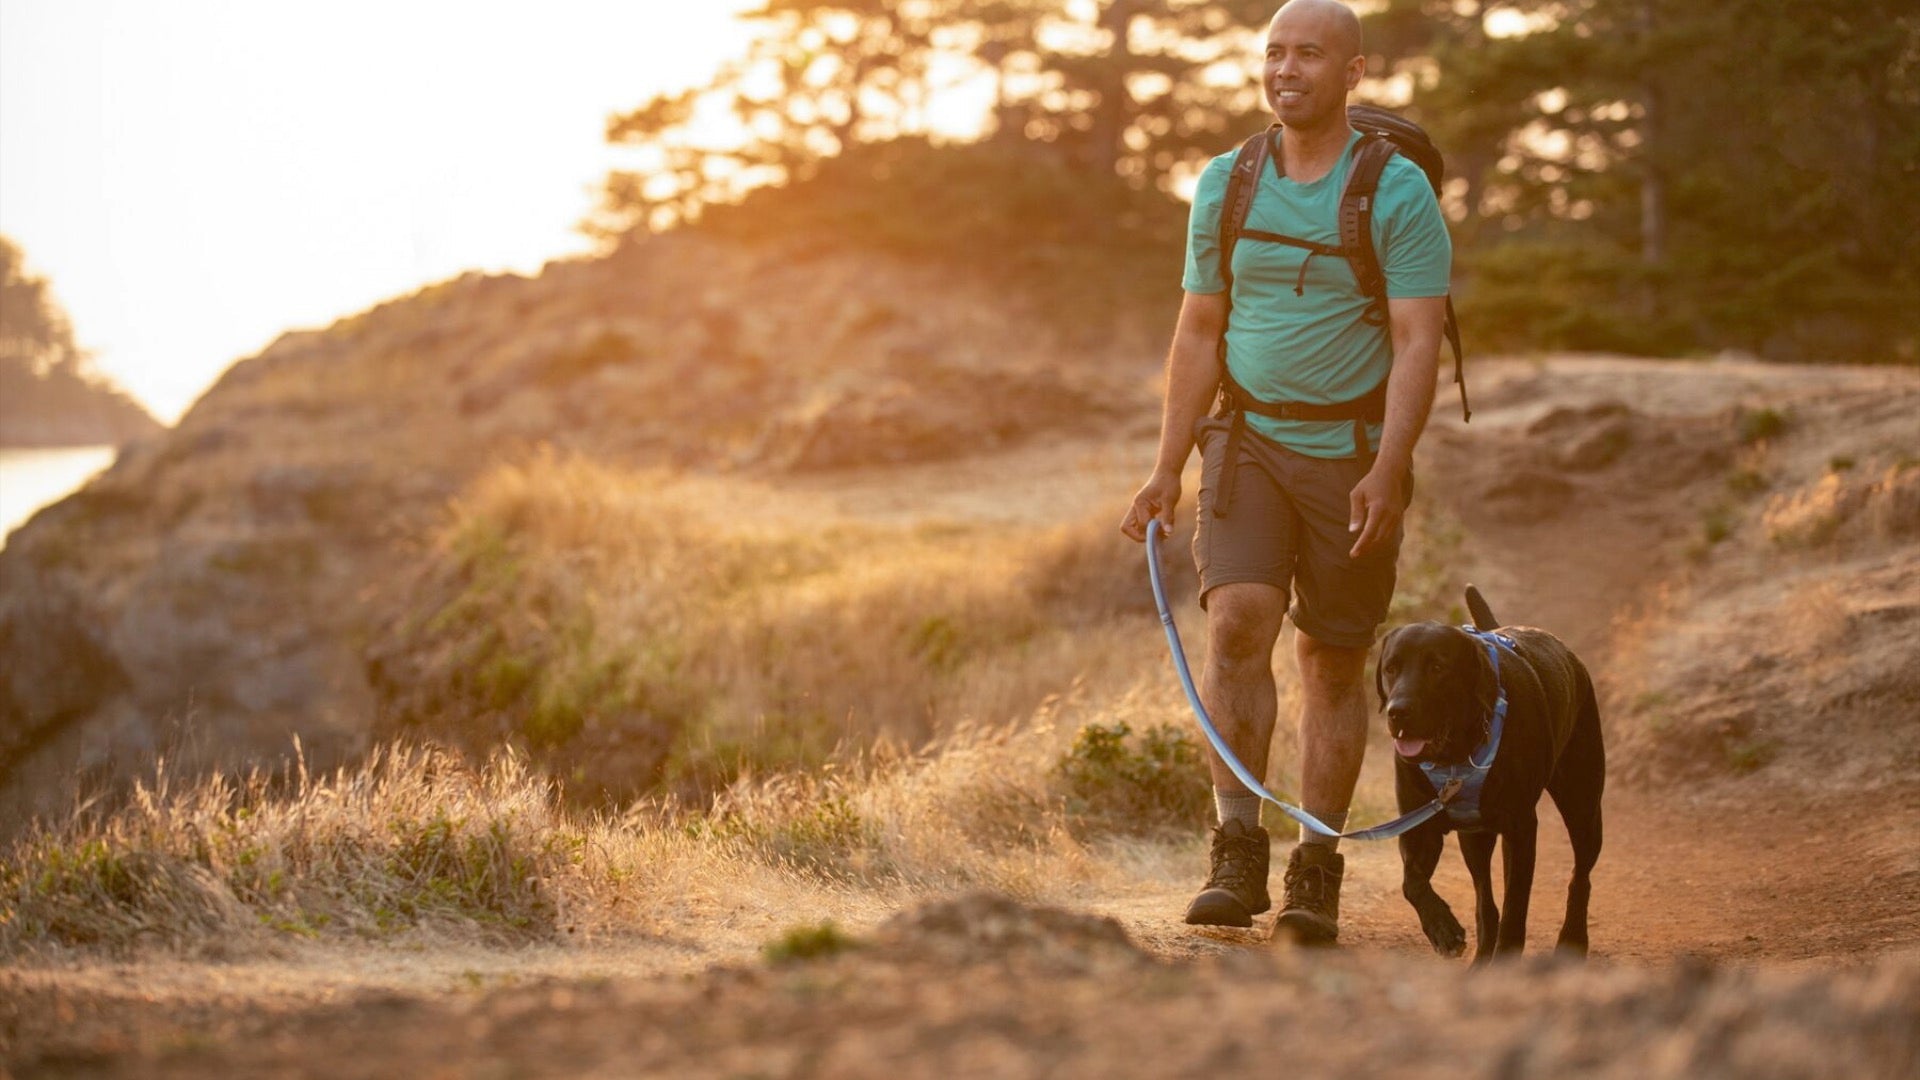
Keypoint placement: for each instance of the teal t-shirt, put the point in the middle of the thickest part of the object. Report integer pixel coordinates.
(1314, 347)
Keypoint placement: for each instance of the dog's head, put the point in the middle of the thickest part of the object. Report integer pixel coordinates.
(1438, 689)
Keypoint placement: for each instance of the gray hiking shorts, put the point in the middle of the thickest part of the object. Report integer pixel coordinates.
(1287, 527)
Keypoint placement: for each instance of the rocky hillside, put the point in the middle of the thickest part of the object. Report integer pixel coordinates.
(217, 592)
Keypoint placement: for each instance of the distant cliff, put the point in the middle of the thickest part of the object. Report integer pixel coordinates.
(48, 395)
(62, 408)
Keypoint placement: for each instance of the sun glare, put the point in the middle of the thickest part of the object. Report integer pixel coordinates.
(196, 177)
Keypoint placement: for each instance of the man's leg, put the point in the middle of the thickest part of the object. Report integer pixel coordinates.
(1333, 730)
(1333, 740)
(1236, 685)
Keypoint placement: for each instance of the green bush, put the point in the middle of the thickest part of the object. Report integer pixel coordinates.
(807, 941)
(1760, 425)
(1122, 783)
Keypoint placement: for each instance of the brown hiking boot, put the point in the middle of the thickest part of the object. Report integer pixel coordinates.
(1310, 914)
(1236, 891)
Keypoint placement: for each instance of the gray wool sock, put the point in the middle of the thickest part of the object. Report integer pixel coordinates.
(1336, 821)
(1238, 805)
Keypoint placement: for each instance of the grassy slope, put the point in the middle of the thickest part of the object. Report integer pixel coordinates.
(272, 566)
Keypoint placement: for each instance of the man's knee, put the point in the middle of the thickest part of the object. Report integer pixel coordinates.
(1243, 622)
(1331, 671)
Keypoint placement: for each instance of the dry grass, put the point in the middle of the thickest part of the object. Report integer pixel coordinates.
(587, 612)
(416, 841)
(870, 712)
(409, 838)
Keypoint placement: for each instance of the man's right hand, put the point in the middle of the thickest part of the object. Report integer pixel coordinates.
(1156, 500)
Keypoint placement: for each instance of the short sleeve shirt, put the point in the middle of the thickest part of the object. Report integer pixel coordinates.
(1296, 332)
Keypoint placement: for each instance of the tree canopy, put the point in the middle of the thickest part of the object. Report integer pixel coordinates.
(1645, 175)
(49, 393)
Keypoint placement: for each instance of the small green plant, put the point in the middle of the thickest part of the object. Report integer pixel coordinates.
(1717, 524)
(1119, 783)
(1746, 482)
(939, 642)
(808, 941)
(1760, 425)
(1749, 754)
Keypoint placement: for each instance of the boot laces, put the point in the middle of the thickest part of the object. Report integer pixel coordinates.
(1309, 885)
(1236, 861)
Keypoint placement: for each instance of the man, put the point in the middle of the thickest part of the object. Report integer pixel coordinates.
(1313, 517)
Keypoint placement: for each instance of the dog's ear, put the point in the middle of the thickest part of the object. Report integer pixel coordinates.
(1379, 680)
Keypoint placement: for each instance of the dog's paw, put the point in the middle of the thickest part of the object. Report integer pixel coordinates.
(1448, 936)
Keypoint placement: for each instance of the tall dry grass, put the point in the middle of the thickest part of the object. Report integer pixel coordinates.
(637, 637)
(417, 840)
(871, 711)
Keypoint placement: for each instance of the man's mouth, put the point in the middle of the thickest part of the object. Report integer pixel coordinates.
(1288, 95)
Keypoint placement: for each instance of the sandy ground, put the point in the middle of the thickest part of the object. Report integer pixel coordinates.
(1749, 924)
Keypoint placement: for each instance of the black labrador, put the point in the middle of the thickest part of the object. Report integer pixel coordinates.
(1438, 688)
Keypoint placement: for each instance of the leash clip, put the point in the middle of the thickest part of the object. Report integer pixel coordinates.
(1450, 789)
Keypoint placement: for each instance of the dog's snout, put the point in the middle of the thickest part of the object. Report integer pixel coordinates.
(1397, 712)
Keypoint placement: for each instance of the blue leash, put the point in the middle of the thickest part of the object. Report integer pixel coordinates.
(1456, 778)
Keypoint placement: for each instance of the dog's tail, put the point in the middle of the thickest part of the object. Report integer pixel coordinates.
(1482, 614)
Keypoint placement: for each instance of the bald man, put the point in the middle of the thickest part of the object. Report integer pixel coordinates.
(1314, 518)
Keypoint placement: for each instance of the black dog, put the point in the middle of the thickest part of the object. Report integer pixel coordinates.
(1438, 687)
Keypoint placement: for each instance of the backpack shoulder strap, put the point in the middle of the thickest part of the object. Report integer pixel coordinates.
(1242, 182)
(1356, 220)
(1356, 237)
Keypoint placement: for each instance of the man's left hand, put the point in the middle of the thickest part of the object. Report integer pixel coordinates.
(1377, 503)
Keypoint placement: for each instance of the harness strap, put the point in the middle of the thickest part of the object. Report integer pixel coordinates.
(1236, 402)
(1458, 786)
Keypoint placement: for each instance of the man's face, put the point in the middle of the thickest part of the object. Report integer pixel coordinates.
(1308, 69)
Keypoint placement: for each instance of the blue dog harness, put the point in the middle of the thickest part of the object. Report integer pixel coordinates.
(1458, 786)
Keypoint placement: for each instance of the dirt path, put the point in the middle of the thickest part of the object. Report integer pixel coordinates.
(1820, 887)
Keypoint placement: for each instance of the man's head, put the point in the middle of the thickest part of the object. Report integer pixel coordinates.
(1313, 59)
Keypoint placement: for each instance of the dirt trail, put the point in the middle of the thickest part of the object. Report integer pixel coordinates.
(1581, 489)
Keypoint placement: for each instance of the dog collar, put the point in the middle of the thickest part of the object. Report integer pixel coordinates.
(1458, 786)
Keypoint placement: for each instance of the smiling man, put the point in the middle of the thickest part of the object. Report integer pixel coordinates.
(1307, 461)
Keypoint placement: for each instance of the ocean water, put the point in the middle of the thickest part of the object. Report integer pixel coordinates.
(31, 479)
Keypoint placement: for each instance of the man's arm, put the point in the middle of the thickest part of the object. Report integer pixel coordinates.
(1378, 500)
(1193, 377)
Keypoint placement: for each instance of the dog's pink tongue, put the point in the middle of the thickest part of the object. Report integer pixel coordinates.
(1409, 747)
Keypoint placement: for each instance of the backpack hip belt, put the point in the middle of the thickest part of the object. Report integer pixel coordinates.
(1235, 403)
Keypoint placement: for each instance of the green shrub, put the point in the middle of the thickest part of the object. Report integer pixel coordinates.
(1760, 425)
(1746, 482)
(1717, 524)
(807, 941)
(1117, 782)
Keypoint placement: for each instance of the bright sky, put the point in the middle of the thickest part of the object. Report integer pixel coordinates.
(196, 176)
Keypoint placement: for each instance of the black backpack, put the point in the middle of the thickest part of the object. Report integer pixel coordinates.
(1382, 135)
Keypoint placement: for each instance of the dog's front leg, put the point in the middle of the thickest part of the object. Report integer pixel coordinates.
(1419, 853)
(1518, 845)
(1476, 850)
